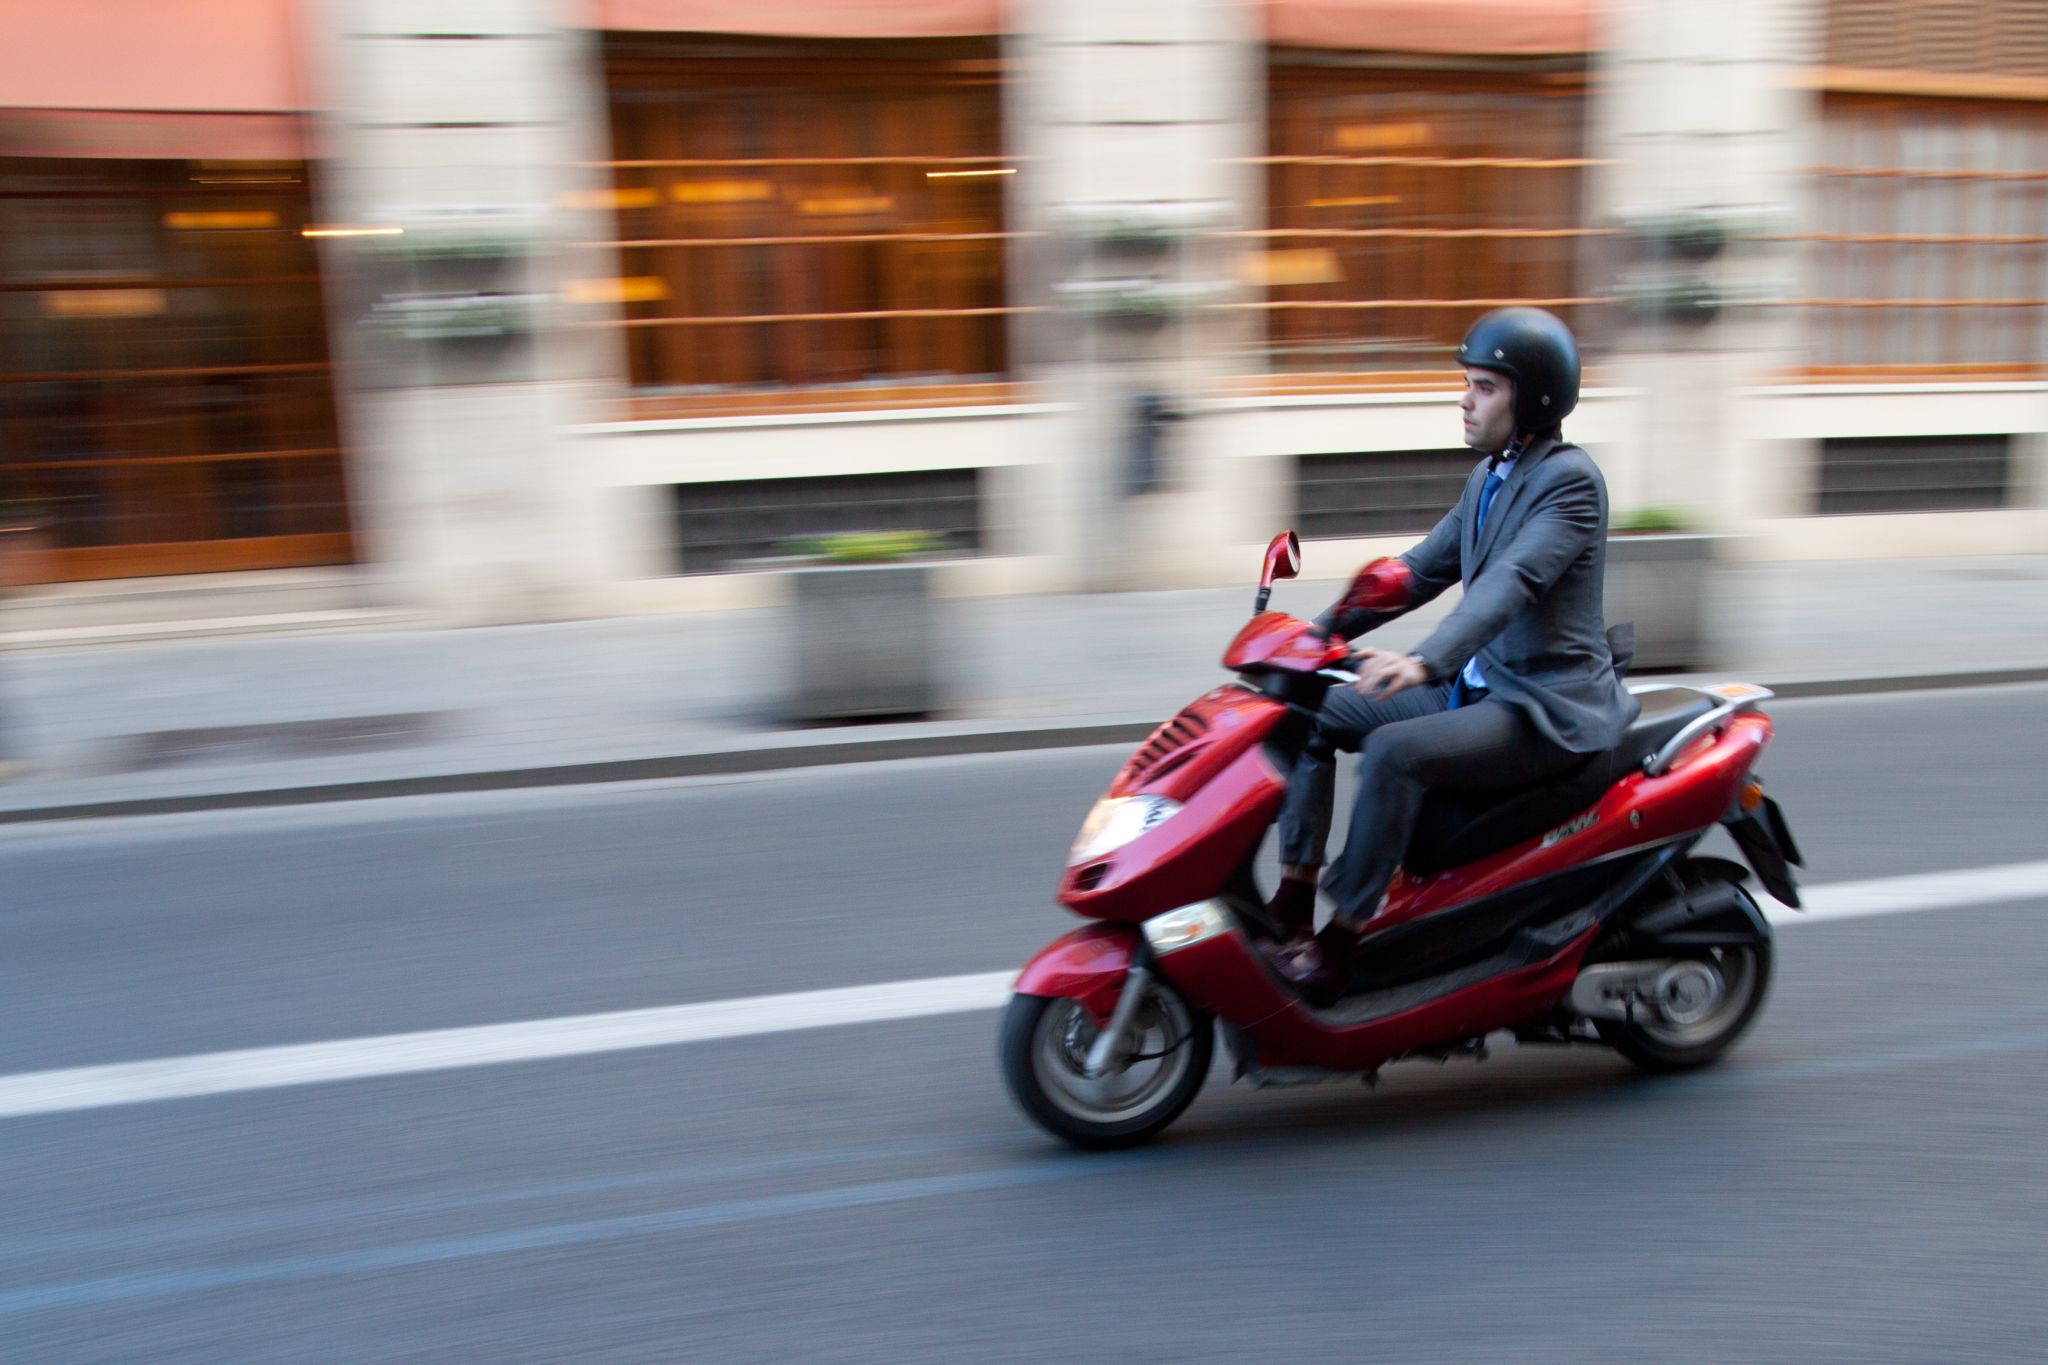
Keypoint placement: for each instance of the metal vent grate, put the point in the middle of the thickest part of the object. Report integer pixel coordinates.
(1383, 493)
(1171, 745)
(1914, 474)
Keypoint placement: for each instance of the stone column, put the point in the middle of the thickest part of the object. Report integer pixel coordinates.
(1700, 109)
(452, 132)
(1134, 122)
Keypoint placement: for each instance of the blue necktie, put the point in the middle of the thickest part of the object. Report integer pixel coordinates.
(1493, 483)
(1462, 688)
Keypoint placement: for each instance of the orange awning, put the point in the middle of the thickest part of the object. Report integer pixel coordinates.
(225, 78)
(1489, 28)
(808, 18)
(146, 136)
(1479, 27)
(151, 78)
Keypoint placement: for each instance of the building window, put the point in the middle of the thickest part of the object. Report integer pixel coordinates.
(166, 402)
(1401, 204)
(803, 216)
(1929, 245)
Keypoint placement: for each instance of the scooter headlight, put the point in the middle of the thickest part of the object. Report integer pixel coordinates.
(1115, 821)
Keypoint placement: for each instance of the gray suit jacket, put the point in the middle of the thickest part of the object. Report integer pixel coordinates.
(1532, 611)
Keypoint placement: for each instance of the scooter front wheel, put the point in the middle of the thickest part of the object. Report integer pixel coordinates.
(1045, 1045)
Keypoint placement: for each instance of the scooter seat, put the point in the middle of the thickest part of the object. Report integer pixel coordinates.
(1463, 827)
(1665, 712)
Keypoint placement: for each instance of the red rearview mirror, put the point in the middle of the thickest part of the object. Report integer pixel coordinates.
(1283, 560)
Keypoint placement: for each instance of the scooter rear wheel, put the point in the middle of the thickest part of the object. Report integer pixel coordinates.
(1740, 977)
(1044, 1049)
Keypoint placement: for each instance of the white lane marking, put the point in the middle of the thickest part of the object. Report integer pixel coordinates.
(576, 1035)
(348, 1059)
(1926, 891)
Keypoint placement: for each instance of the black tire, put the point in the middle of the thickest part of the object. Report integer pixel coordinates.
(1661, 1049)
(1044, 1038)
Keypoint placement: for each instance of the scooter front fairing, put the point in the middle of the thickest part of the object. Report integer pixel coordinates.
(1193, 802)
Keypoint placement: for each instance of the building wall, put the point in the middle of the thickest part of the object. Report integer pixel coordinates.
(1703, 420)
(1325, 184)
(459, 135)
(1767, 496)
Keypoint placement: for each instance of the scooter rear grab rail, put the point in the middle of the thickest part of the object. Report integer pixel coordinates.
(1736, 698)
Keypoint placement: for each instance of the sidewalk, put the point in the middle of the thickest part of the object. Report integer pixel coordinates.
(252, 720)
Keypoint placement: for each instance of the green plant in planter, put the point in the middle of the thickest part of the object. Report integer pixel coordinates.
(1650, 520)
(867, 547)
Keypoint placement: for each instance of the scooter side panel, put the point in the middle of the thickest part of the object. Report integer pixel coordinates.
(1222, 976)
(1086, 964)
(1636, 812)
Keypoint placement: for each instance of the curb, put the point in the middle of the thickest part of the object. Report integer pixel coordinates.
(729, 762)
(714, 763)
(1911, 682)
(25, 640)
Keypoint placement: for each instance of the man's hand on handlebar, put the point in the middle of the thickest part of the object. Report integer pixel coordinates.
(1382, 673)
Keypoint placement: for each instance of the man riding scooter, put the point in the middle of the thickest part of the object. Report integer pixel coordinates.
(1518, 683)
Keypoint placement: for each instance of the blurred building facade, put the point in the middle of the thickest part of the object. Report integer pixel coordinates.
(524, 307)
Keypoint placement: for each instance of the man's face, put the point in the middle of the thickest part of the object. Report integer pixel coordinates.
(1489, 410)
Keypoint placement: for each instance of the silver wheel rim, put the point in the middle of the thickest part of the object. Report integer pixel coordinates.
(1697, 1000)
(1059, 1054)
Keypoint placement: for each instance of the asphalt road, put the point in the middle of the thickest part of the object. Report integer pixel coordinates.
(1862, 1180)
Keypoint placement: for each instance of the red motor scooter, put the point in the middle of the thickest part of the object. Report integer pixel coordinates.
(1570, 911)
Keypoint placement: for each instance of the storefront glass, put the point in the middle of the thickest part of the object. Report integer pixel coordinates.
(166, 402)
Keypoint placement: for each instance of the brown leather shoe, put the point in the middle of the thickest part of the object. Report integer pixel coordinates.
(1293, 909)
(1318, 968)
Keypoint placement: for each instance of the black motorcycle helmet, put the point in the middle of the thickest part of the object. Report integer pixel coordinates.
(1537, 351)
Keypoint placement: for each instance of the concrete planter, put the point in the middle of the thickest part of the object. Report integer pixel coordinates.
(1660, 581)
(864, 642)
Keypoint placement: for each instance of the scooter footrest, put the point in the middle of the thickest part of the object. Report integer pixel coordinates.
(1529, 947)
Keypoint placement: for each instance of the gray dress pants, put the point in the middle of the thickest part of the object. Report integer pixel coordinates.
(1408, 744)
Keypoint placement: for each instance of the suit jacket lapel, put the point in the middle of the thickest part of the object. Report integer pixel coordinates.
(1468, 534)
(1504, 501)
